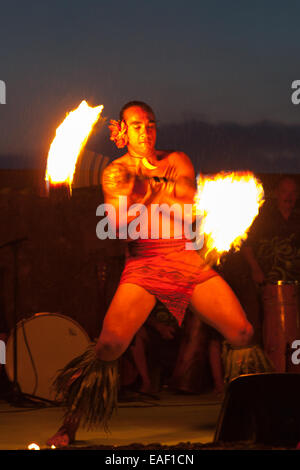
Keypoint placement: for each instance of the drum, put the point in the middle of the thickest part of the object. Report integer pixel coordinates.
(281, 324)
(46, 342)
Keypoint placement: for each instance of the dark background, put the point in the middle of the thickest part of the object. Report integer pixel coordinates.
(218, 75)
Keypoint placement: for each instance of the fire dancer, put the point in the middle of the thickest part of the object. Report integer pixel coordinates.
(156, 269)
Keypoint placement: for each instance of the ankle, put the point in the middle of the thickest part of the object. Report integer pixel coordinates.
(70, 429)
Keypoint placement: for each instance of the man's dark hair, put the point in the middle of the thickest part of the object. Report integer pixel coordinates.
(140, 104)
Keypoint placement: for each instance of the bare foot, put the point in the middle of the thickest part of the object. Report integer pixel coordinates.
(62, 438)
(148, 391)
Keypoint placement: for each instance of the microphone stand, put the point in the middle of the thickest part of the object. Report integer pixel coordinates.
(17, 397)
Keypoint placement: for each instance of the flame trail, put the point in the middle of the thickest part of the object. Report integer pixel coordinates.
(228, 204)
(71, 136)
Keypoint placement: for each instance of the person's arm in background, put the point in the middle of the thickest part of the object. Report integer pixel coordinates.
(256, 271)
(248, 249)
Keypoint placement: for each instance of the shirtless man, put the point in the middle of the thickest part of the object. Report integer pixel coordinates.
(221, 311)
(158, 269)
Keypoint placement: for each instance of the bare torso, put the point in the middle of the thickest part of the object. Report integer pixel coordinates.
(167, 180)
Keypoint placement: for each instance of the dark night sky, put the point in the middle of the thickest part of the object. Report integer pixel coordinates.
(213, 61)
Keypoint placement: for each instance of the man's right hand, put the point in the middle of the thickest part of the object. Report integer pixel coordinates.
(154, 192)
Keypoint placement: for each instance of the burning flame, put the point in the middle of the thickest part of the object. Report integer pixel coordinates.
(71, 136)
(33, 446)
(228, 204)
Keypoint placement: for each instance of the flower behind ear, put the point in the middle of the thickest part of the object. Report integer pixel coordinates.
(118, 133)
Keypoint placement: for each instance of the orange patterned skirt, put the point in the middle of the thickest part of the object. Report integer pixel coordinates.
(166, 270)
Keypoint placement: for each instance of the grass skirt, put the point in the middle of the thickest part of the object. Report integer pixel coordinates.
(89, 389)
(240, 361)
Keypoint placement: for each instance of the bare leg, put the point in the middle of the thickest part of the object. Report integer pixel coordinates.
(188, 374)
(215, 302)
(129, 309)
(65, 434)
(138, 351)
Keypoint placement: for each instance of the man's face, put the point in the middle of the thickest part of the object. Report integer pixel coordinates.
(287, 195)
(141, 131)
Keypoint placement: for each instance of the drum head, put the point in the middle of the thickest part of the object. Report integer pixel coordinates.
(46, 342)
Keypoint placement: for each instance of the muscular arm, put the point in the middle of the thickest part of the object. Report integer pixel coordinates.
(248, 250)
(256, 271)
(182, 191)
(182, 172)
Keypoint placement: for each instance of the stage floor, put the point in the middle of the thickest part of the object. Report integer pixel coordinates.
(171, 420)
